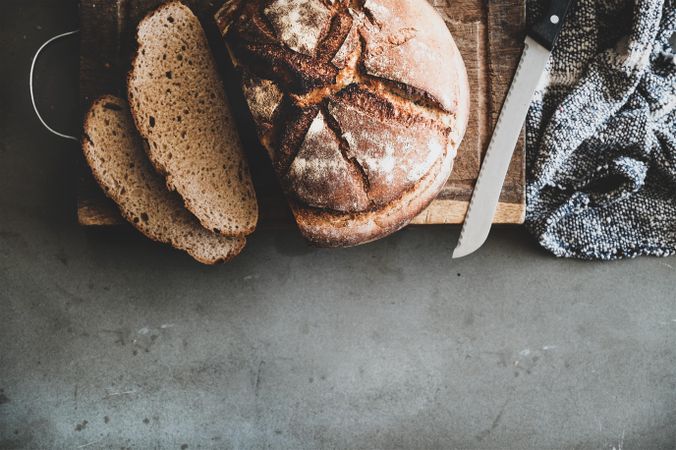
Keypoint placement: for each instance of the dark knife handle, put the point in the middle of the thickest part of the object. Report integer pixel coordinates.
(547, 28)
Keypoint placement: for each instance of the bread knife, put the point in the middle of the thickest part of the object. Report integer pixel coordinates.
(540, 39)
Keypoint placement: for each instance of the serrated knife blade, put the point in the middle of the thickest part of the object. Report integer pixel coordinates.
(482, 207)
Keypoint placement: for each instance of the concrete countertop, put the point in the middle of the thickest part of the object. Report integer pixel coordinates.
(110, 341)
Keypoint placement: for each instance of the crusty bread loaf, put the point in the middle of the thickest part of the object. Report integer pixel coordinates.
(361, 106)
(114, 151)
(180, 108)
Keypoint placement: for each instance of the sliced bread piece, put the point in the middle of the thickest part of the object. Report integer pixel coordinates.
(115, 154)
(180, 108)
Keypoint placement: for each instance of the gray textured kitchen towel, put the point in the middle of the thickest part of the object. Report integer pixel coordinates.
(602, 133)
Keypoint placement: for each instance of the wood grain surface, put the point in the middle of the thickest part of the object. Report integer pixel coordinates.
(489, 35)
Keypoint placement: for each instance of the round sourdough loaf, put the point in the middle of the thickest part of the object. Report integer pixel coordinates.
(361, 105)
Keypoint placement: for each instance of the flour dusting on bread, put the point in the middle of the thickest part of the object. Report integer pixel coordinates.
(299, 23)
(322, 176)
(263, 98)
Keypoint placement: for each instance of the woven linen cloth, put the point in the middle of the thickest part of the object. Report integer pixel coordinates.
(601, 133)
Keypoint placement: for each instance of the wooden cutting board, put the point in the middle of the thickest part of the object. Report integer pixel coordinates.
(489, 35)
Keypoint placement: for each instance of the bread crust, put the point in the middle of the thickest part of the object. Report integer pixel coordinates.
(388, 79)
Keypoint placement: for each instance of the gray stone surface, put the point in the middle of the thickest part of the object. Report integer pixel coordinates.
(110, 341)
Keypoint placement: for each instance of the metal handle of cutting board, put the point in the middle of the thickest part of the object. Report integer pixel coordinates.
(30, 84)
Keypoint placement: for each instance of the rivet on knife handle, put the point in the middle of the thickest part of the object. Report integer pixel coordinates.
(546, 29)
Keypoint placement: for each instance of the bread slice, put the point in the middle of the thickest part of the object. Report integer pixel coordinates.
(115, 154)
(180, 108)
